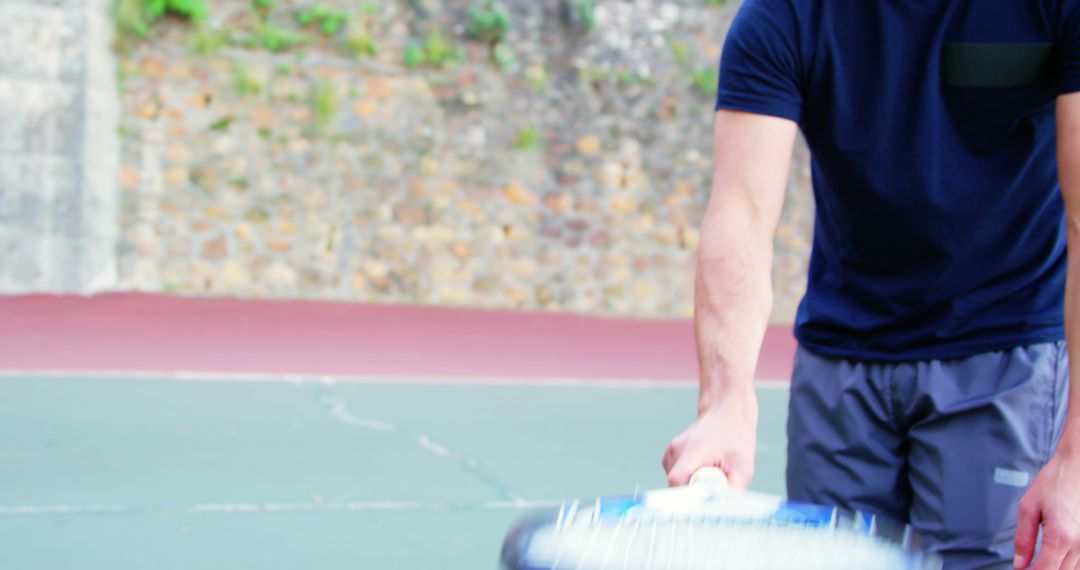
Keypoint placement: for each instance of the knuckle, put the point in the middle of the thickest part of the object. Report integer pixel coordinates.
(1068, 532)
(1059, 534)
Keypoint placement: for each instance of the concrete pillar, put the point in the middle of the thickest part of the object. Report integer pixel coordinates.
(59, 147)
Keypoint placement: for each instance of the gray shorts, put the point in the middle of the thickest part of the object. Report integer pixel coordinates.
(948, 446)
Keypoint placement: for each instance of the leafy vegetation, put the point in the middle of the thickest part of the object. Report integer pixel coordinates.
(360, 38)
(360, 43)
(528, 138)
(580, 13)
(435, 49)
(134, 18)
(488, 21)
(222, 124)
(704, 81)
(328, 21)
(246, 82)
(207, 41)
(681, 52)
(273, 38)
(414, 55)
(325, 105)
(537, 78)
(503, 56)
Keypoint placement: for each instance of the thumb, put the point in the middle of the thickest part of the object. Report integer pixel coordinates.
(1027, 533)
(738, 480)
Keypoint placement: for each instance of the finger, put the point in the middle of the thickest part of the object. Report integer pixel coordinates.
(1054, 549)
(671, 454)
(1072, 560)
(683, 469)
(1027, 534)
(739, 479)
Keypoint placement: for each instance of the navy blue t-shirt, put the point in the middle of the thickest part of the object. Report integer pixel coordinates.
(939, 230)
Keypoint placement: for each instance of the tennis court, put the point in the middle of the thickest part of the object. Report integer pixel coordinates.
(274, 469)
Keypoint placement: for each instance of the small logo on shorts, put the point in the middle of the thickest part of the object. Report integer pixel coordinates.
(1011, 477)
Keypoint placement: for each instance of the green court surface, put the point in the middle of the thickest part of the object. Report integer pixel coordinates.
(159, 473)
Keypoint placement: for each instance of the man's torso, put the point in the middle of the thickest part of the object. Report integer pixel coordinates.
(939, 230)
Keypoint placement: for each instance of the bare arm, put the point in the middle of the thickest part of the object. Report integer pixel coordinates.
(1069, 168)
(733, 297)
(1054, 498)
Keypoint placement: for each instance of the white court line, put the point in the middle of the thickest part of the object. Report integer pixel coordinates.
(229, 508)
(332, 379)
(241, 508)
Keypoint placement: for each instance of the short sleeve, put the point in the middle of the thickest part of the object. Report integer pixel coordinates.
(1067, 50)
(759, 67)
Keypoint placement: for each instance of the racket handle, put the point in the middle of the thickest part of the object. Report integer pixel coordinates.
(710, 476)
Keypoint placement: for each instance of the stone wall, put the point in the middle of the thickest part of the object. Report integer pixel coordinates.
(58, 147)
(565, 167)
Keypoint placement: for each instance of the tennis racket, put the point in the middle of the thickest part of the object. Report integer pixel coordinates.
(707, 526)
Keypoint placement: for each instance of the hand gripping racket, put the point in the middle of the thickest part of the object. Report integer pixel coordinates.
(707, 526)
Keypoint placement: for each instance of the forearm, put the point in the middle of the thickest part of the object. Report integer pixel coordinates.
(1068, 116)
(733, 295)
(733, 290)
(1070, 437)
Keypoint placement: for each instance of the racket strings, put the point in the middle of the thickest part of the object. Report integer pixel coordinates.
(585, 539)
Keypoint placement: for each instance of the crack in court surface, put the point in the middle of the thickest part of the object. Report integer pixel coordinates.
(471, 466)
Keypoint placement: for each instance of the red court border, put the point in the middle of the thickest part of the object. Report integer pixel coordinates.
(167, 334)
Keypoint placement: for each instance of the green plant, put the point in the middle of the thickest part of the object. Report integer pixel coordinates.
(717, 2)
(222, 124)
(580, 13)
(440, 51)
(360, 43)
(273, 38)
(206, 41)
(360, 37)
(263, 4)
(680, 50)
(135, 17)
(632, 78)
(325, 104)
(537, 77)
(503, 56)
(246, 82)
(196, 10)
(328, 21)
(435, 49)
(489, 21)
(704, 81)
(414, 55)
(528, 138)
(130, 18)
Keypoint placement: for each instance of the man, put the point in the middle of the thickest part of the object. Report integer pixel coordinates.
(931, 383)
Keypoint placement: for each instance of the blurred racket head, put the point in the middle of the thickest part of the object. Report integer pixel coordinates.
(706, 527)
